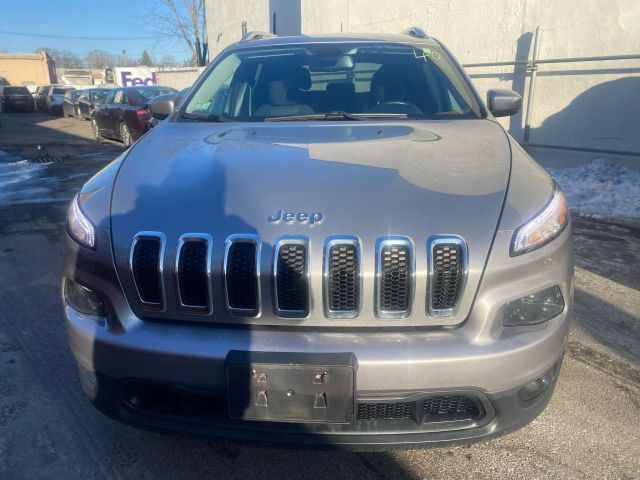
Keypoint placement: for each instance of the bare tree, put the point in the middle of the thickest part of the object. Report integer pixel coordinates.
(184, 20)
(63, 58)
(100, 59)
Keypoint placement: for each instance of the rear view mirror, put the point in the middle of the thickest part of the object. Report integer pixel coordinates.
(503, 103)
(162, 106)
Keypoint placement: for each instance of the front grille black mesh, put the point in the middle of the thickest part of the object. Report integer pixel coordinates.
(384, 410)
(192, 274)
(439, 408)
(450, 407)
(293, 289)
(343, 278)
(241, 274)
(395, 278)
(447, 275)
(146, 270)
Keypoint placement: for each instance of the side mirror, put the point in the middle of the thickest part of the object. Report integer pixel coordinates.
(162, 106)
(503, 103)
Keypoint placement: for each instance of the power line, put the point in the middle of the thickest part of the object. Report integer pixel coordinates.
(66, 37)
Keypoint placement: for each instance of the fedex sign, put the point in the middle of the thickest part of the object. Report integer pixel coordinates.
(136, 76)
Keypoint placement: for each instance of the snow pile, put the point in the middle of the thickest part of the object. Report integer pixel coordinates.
(602, 189)
(17, 177)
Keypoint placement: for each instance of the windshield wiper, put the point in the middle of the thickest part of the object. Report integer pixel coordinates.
(205, 117)
(334, 116)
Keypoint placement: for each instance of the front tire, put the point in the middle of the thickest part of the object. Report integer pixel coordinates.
(96, 130)
(125, 135)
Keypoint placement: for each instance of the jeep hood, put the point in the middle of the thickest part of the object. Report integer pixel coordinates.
(368, 179)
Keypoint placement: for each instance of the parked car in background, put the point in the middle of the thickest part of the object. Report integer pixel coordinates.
(125, 114)
(89, 100)
(70, 103)
(39, 97)
(54, 97)
(17, 99)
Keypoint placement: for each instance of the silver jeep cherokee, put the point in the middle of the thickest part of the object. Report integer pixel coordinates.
(329, 241)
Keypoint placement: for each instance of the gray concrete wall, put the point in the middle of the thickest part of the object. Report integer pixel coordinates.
(587, 105)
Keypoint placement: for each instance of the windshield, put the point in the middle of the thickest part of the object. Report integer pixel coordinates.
(415, 81)
(149, 93)
(99, 96)
(16, 91)
(60, 91)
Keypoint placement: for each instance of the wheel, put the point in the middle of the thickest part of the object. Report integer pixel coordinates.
(96, 130)
(125, 135)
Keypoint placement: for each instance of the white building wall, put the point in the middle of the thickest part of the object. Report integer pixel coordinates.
(225, 17)
(588, 105)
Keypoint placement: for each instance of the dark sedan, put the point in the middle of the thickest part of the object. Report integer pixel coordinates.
(70, 103)
(124, 115)
(90, 99)
(17, 99)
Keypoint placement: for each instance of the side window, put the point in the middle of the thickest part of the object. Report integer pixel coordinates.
(120, 98)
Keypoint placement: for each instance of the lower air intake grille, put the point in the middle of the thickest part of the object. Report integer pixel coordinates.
(395, 278)
(146, 269)
(193, 277)
(435, 409)
(241, 276)
(444, 408)
(447, 271)
(384, 410)
(292, 298)
(343, 278)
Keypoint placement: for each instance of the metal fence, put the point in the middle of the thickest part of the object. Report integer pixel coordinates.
(532, 70)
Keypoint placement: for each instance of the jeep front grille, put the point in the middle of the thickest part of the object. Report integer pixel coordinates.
(242, 275)
(291, 278)
(447, 272)
(238, 287)
(342, 278)
(394, 278)
(146, 263)
(193, 271)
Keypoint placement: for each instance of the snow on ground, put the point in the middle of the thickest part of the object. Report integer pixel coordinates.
(601, 189)
(20, 180)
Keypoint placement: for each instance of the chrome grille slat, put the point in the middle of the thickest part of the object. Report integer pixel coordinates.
(193, 273)
(146, 262)
(342, 278)
(447, 274)
(241, 271)
(395, 280)
(291, 289)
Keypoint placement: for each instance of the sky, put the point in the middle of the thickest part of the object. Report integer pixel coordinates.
(84, 26)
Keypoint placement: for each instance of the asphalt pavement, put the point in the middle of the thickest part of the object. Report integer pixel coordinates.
(591, 428)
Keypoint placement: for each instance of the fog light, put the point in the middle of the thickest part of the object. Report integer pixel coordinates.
(535, 388)
(83, 299)
(536, 308)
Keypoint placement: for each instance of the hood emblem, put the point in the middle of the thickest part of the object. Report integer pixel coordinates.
(310, 218)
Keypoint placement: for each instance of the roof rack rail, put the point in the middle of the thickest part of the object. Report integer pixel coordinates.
(256, 35)
(416, 32)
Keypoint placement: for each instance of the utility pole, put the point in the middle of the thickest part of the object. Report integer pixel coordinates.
(124, 57)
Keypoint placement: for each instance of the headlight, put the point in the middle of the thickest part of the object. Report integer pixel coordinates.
(79, 226)
(542, 228)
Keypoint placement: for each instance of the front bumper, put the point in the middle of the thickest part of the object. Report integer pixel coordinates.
(169, 360)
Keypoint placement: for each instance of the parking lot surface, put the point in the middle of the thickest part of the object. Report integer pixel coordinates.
(591, 428)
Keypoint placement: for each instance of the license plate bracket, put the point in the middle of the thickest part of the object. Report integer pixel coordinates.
(291, 387)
